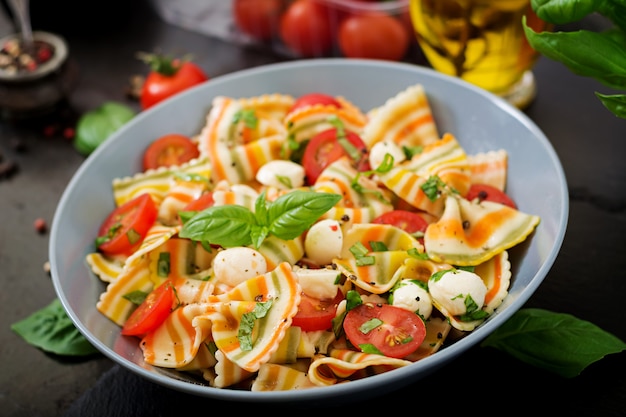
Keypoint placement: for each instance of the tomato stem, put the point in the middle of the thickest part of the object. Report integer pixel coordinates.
(162, 64)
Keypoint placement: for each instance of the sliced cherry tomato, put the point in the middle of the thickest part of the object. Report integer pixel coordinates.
(152, 311)
(489, 193)
(315, 314)
(203, 202)
(408, 221)
(167, 78)
(258, 18)
(168, 150)
(324, 148)
(376, 36)
(126, 226)
(305, 28)
(314, 98)
(394, 331)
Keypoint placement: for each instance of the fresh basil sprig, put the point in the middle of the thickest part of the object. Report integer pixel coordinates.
(232, 225)
(557, 342)
(597, 55)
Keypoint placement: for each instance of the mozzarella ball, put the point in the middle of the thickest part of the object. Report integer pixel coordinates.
(281, 174)
(380, 149)
(233, 266)
(324, 241)
(451, 290)
(412, 297)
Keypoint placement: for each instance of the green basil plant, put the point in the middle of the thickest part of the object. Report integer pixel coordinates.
(598, 55)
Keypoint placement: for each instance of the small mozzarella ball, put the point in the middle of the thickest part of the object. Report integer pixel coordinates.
(412, 297)
(281, 174)
(451, 290)
(233, 266)
(324, 241)
(318, 283)
(380, 149)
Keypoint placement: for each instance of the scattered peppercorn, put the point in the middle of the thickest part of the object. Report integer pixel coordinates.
(40, 225)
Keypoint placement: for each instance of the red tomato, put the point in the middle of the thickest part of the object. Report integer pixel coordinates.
(408, 221)
(126, 226)
(152, 312)
(314, 98)
(315, 314)
(324, 149)
(394, 331)
(167, 78)
(376, 36)
(203, 202)
(305, 28)
(258, 18)
(168, 150)
(489, 193)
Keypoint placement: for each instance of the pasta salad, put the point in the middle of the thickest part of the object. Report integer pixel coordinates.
(307, 242)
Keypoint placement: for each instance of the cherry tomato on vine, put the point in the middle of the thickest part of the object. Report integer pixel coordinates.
(168, 150)
(152, 311)
(315, 314)
(376, 36)
(393, 331)
(305, 28)
(127, 225)
(258, 18)
(168, 77)
(325, 148)
(314, 98)
(489, 193)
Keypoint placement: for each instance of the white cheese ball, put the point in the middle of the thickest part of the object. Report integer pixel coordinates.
(324, 241)
(233, 266)
(318, 283)
(281, 174)
(380, 149)
(412, 297)
(452, 288)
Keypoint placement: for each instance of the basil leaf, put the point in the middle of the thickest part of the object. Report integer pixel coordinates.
(616, 104)
(293, 213)
(51, 330)
(227, 226)
(557, 342)
(95, 126)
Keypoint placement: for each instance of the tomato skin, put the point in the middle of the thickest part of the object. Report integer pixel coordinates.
(376, 36)
(324, 149)
(168, 150)
(400, 334)
(157, 86)
(258, 18)
(408, 221)
(314, 98)
(203, 202)
(135, 216)
(305, 28)
(315, 314)
(152, 311)
(489, 193)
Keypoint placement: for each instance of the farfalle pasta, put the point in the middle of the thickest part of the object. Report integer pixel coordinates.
(282, 319)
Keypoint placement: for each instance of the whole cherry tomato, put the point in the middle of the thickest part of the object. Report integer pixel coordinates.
(305, 28)
(376, 36)
(258, 18)
(168, 77)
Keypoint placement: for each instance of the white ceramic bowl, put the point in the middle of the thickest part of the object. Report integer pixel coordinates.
(479, 120)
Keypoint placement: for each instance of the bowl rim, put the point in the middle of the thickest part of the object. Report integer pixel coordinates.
(374, 385)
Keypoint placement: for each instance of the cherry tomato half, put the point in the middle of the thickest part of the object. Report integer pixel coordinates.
(408, 221)
(376, 36)
(315, 314)
(126, 226)
(167, 78)
(324, 148)
(394, 331)
(203, 202)
(258, 18)
(168, 150)
(152, 311)
(489, 193)
(305, 28)
(314, 98)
